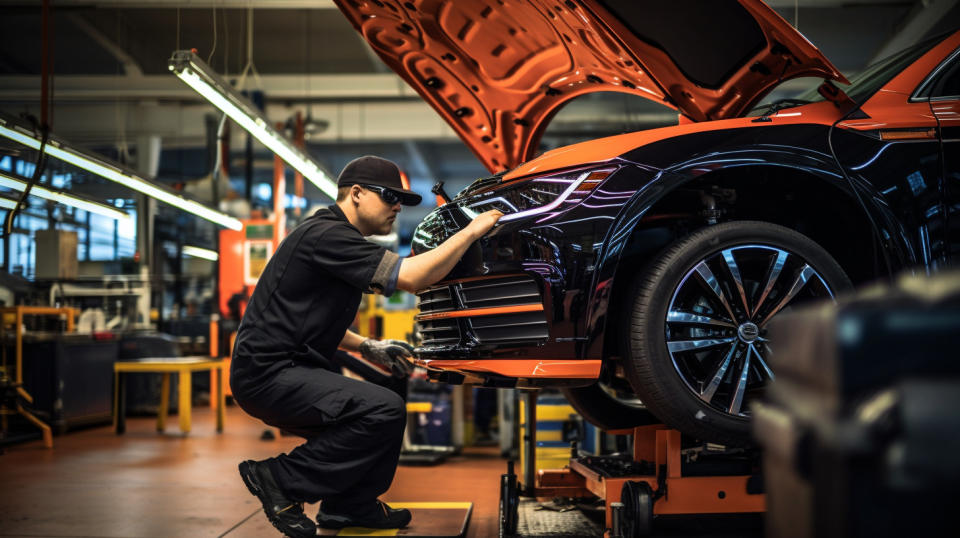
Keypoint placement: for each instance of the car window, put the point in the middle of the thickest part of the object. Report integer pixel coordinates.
(948, 84)
(868, 81)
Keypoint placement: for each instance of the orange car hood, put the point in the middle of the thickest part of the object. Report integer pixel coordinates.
(497, 70)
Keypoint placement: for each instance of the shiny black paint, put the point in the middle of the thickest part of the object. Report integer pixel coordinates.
(575, 256)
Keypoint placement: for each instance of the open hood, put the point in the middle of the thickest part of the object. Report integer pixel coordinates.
(497, 70)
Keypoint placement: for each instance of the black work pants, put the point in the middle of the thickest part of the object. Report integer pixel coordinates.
(353, 429)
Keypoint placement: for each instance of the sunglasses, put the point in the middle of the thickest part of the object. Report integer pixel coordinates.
(391, 197)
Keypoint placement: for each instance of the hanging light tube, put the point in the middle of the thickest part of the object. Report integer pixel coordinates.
(198, 75)
(103, 168)
(63, 198)
(198, 252)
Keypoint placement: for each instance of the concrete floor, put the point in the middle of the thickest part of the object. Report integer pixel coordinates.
(145, 484)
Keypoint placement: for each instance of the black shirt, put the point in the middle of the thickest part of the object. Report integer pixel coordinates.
(308, 294)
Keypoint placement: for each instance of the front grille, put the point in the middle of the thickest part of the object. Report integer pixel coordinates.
(436, 300)
(508, 328)
(493, 322)
(439, 332)
(509, 291)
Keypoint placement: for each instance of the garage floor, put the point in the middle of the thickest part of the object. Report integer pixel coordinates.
(142, 484)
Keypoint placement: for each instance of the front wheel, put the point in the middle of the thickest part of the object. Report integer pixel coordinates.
(697, 343)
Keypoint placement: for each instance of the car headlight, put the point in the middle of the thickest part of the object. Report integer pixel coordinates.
(542, 194)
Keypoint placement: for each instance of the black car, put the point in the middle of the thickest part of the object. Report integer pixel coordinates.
(640, 271)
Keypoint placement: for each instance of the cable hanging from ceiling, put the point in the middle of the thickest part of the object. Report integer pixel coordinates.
(46, 98)
(249, 67)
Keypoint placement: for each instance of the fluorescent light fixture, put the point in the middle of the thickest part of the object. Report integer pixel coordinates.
(7, 203)
(198, 75)
(63, 198)
(198, 252)
(105, 169)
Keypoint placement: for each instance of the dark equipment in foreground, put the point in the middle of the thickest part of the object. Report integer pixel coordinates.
(862, 427)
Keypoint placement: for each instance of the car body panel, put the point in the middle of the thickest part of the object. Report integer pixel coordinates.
(653, 163)
(605, 149)
(498, 71)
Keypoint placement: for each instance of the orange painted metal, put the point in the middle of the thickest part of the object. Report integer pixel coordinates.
(645, 444)
(746, 84)
(279, 216)
(520, 368)
(908, 79)
(473, 312)
(682, 495)
(947, 112)
(231, 264)
(891, 108)
(561, 483)
(603, 149)
(498, 84)
(299, 138)
(214, 338)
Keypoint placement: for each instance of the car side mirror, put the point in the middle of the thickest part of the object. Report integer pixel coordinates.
(438, 190)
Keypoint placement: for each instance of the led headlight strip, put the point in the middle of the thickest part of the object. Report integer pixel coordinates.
(62, 198)
(106, 170)
(582, 183)
(199, 76)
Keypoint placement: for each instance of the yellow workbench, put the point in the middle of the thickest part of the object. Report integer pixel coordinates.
(184, 366)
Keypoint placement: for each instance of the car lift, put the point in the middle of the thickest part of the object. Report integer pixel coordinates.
(654, 484)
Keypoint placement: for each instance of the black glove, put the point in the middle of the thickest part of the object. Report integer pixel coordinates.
(390, 353)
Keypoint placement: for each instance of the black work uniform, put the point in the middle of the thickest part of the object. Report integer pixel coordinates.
(282, 370)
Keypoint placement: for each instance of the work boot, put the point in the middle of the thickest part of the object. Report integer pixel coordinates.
(381, 516)
(286, 515)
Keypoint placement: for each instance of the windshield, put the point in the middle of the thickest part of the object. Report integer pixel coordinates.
(862, 86)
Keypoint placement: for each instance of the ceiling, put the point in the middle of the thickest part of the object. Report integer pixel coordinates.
(112, 89)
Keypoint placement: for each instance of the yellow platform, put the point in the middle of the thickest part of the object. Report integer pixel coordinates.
(434, 519)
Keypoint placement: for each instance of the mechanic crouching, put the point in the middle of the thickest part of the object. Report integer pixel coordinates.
(297, 318)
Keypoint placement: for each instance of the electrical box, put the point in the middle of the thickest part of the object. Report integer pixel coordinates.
(56, 254)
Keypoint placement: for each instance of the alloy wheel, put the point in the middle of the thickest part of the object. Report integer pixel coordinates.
(716, 322)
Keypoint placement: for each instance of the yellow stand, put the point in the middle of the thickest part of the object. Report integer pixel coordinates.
(184, 366)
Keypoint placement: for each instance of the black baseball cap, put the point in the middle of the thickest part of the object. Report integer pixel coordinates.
(372, 170)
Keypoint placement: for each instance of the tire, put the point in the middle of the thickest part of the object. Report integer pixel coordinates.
(605, 410)
(698, 369)
(637, 499)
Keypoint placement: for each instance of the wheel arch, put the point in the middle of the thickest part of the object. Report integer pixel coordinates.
(777, 193)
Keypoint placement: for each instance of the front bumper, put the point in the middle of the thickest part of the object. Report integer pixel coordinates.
(497, 330)
(522, 301)
(477, 315)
